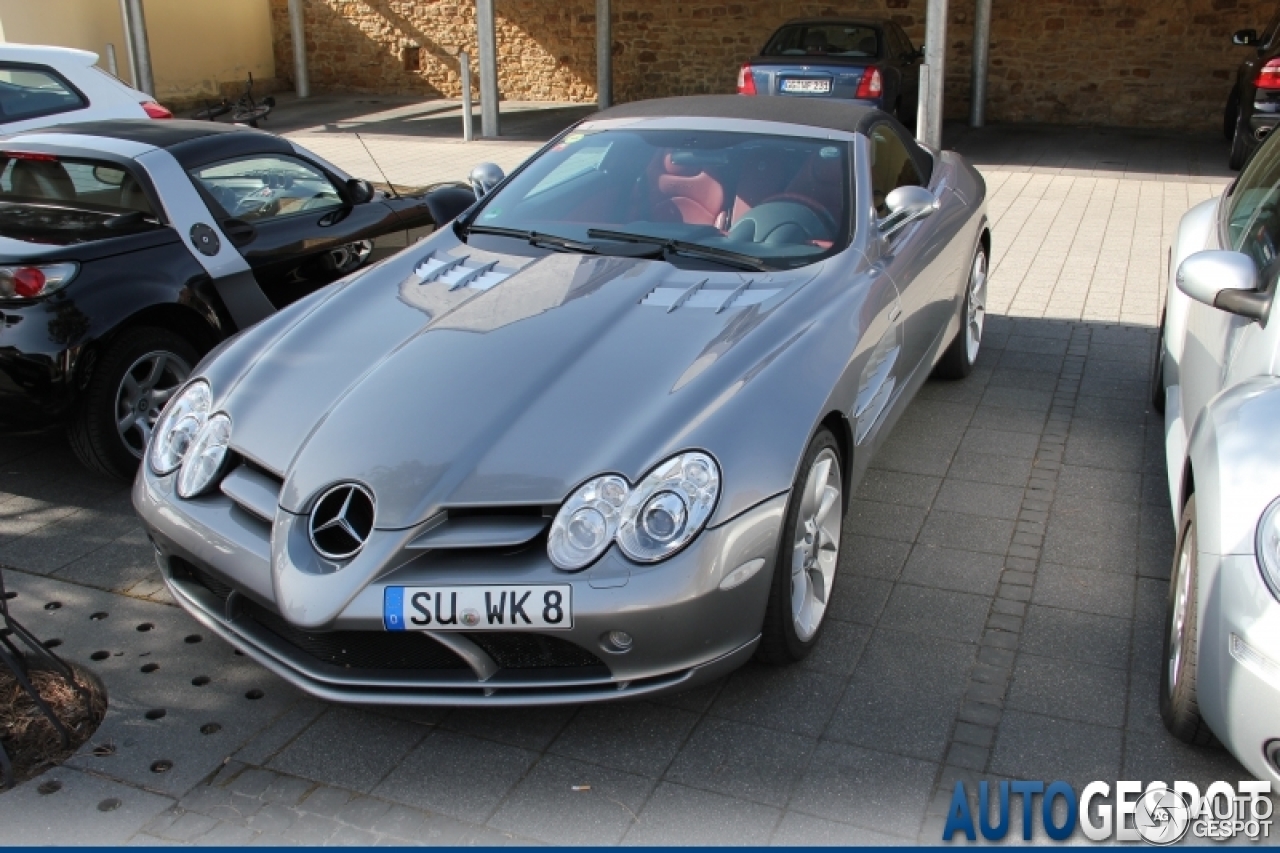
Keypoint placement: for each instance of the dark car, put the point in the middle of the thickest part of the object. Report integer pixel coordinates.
(1253, 107)
(869, 61)
(130, 248)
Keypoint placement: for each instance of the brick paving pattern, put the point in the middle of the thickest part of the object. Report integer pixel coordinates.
(998, 612)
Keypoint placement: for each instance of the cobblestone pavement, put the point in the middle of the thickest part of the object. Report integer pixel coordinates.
(998, 610)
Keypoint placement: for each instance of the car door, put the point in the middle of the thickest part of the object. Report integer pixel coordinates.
(913, 254)
(1223, 349)
(290, 220)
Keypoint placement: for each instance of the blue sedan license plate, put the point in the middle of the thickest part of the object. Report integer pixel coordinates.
(493, 607)
(807, 87)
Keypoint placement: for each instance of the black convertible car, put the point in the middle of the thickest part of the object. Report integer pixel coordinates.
(128, 249)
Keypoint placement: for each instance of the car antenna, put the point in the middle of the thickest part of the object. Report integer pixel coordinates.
(390, 185)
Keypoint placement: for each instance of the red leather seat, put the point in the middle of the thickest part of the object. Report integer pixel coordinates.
(687, 194)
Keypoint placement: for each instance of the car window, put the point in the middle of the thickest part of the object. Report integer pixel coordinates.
(1253, 208)
(825, 39)
(261, 188)
(781, 199)
(904, 39)
(50, 199)
(891, 167)
(1269, 34)
(28, 92)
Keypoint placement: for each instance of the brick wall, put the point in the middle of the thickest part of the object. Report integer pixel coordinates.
(1155, 63)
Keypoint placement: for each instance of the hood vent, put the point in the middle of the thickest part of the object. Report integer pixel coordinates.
(459, 272)
(717, 299)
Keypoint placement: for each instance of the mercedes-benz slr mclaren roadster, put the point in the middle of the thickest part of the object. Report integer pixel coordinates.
(593, 440)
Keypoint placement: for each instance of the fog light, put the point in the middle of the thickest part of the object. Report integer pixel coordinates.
(618, 641)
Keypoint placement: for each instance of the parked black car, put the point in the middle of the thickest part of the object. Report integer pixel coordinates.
(1253, 107)
(130, 248)
(866, 60)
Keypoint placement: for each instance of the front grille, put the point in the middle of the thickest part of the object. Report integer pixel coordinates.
(403, 650)
(533, 651)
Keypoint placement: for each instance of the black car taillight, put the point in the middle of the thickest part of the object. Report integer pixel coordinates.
(29, 281)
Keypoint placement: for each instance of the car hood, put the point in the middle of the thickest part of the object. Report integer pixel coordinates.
(454, 377)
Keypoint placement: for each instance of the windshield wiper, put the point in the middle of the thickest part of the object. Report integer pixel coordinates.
(535, 238)
(683, 247)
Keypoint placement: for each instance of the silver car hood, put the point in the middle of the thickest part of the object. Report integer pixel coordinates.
(450, 376)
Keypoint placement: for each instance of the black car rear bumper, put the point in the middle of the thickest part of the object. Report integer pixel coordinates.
(37, 364)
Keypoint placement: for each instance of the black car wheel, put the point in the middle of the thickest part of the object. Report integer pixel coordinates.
(1241, 144)
(805, 568)
(1179, 707)
(130, 384)
(1231, 115)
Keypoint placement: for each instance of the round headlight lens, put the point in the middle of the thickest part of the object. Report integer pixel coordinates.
(669, 507)
(1268, 547)
(178, 427)
(587, 522)
(206, 456)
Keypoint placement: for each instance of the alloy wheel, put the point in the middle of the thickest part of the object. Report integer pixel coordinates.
(817, 544)
(145, 389)
(1180, 614)
(977, 310)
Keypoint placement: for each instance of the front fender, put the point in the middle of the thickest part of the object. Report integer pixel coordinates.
(1197, 231)
(1235, 456)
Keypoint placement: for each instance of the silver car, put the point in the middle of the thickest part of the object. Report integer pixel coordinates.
(594, 439)
(1218, 382)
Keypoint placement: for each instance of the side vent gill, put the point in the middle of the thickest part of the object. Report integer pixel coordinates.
(716, 299)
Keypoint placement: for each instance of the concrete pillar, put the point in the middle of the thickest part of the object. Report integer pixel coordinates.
(488, 39)
(981, 53)
(604, 54)
(298, 30)
(135, 28)
(929, 116)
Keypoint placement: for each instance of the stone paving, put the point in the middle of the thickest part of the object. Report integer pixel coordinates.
(998, 611)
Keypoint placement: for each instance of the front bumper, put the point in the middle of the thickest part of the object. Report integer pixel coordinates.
(1238, 677)
(217, 560)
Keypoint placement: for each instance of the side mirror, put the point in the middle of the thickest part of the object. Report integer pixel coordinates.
(1227, 281)
(446, 203)
(484, 178)
(1245, 38)
(359, 191)
(906, 205)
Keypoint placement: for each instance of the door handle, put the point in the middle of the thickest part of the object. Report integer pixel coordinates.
(895, 314)
(239, 232)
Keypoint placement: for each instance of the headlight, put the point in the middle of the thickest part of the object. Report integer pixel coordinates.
(178, 426)
(587, 522)
(204, 460)
(669, 507)
(1268, 546)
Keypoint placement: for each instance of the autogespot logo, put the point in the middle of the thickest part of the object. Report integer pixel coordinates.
(1159, 814)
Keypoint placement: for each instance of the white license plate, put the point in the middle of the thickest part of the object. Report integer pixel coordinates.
(808, 87)
(495, 607)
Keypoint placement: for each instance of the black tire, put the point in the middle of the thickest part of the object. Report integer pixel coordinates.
(1241, 144)
(1157, 372)
(1231, 115)
(956, 361)
(93, 432)
(1179, 707)
(779, 642)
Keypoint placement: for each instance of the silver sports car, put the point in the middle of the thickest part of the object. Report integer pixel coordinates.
(594, 439)
(1216, 379)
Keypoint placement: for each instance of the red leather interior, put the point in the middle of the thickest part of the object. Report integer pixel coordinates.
(687, 194)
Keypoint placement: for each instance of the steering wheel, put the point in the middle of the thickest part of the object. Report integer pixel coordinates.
(782, 222)
(812, 204)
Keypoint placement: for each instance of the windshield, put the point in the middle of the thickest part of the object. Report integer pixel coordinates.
(781, 200)
(853, 40)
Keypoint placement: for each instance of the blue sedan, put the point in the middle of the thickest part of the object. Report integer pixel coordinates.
(869, 61)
